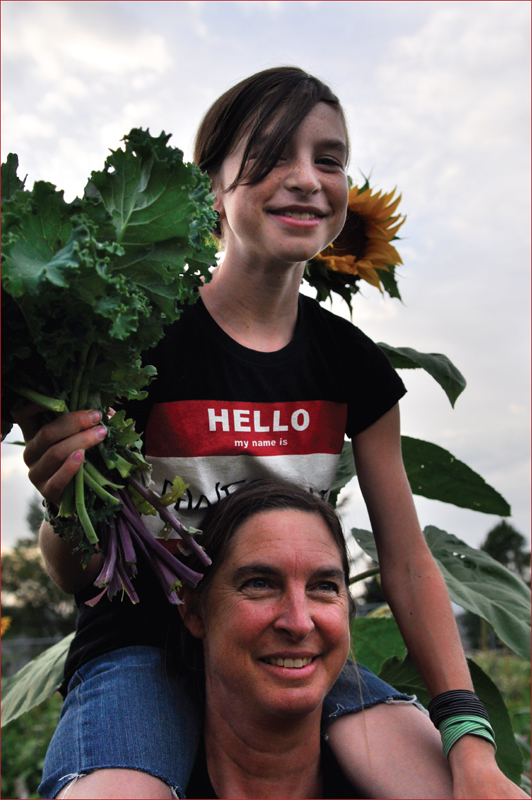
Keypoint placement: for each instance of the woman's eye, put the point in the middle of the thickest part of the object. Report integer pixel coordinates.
(328, 587)
(256, 584)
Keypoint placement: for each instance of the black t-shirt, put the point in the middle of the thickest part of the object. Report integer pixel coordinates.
(335, 784)
(218, 415)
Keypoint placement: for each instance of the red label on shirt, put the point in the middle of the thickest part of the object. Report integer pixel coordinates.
(196, 428)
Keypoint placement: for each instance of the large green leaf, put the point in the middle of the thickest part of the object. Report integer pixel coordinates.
(482, 585)
(439, 366)
(478, 583)
(403, 675)
(35, 682)
(435, 473)
(346, 471)
(375, 640)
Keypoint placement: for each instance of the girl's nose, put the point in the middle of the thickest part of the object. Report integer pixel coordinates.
(294, 616)
(303, 176)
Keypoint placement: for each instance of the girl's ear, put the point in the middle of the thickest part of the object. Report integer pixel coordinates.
(217, 190)
(190, 614)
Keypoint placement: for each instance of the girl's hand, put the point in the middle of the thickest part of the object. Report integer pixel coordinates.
(476, 774)
(55, 451)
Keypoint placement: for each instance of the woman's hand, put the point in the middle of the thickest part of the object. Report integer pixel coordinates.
(476, 774)
(55, 451)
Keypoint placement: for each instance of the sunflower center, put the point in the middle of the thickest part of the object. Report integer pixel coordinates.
(352, 240)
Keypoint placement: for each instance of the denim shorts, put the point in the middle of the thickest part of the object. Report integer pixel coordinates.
(126, 710)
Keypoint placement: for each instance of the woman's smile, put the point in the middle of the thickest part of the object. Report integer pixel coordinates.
(289, 663)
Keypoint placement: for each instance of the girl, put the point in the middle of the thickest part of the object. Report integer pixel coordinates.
(257, 380)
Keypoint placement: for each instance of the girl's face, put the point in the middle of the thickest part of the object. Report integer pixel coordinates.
(299, 207)
(275, 624)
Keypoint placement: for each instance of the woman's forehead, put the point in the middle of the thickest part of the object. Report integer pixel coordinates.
(285, 537)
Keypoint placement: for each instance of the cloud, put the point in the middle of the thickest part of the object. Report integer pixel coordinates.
(437, 96)
(84, 37)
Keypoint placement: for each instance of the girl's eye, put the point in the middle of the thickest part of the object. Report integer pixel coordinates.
(329, 161)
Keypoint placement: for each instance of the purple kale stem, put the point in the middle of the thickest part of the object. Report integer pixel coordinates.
(157, 566)
(109, 564)
(126, 583)
(115, 585)
(125, 540)
(165, 515)
(138, 527)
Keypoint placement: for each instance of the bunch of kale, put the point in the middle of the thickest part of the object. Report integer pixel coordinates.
(87, 287)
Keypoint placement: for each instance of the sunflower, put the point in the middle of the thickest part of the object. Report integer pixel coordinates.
(363, 247)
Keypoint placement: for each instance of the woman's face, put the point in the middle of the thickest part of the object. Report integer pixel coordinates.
(275, 624)
(300, 206)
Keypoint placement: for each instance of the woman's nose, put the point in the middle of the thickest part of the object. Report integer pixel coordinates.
(294, 617)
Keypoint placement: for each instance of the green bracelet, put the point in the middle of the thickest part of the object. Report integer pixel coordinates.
(453, 728)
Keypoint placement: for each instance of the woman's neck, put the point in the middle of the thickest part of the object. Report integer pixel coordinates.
(272, 761)
(255, 304)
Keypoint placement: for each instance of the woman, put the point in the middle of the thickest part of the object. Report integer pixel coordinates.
(271, 618)
(268, 383)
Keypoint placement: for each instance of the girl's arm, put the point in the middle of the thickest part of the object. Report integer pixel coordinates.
(62, 565)
(417, 595)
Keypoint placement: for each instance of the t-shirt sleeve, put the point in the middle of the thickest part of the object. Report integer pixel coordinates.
(374, 385)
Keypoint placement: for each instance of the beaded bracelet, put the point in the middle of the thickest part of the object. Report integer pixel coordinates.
(458, 701)
(457, 713)
(453, 728)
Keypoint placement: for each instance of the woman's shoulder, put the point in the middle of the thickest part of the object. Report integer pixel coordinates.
(335, 784)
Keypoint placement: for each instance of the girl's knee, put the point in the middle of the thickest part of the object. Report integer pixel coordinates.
(123, 784)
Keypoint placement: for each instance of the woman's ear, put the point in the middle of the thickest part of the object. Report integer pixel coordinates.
(190, 614)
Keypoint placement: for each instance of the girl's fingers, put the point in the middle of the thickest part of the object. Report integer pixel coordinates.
(55, 451)
(69, 432)
(43, 470)
(53, 489)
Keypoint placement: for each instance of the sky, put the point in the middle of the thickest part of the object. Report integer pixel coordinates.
(437, 101)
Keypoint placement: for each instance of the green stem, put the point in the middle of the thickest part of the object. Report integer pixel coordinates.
(363, 575)
(74, 394)
(97, 476)
(87, 378)
(68, 502)
(122, 465)
(58, 406)
(81, 509)
(99, 491)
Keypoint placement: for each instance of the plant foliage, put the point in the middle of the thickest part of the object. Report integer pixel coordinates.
(87, 287)
(476, 582)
